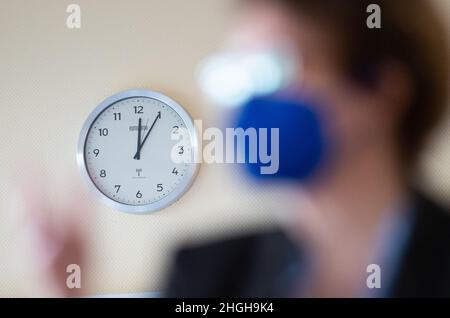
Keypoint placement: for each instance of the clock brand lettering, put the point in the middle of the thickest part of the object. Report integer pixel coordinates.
(136, 127)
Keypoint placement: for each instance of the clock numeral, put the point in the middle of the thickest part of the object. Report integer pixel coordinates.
(117, 116)
(96, 152)
(175, 171)
(102, 173)
(181, 150)
(159, 187)
(175, 129)
(117, 186)
(103, 131)
(139, 195)
(138, 109)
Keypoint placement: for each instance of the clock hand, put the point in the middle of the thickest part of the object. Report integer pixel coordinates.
(138, 152)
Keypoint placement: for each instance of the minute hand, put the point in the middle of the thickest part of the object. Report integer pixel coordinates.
(138, 152)
(139, 138)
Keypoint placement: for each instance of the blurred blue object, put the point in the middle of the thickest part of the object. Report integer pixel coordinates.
(303, 145)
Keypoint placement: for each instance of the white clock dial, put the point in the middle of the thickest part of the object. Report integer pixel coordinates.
(129, 151)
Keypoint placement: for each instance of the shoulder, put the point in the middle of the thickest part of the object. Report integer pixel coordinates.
(432, 218)
(425, 269)
(226, 267)
(233, 246)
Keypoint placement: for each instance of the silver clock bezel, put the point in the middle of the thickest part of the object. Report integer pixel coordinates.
(171, 197)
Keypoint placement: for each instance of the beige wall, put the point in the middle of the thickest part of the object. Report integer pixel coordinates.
(52, 77)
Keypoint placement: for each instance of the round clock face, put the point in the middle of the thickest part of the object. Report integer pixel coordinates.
(138, 150)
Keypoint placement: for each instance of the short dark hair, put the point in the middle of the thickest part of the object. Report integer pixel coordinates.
(411, 33)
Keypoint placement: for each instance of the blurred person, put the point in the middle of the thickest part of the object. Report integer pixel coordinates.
(361, 109)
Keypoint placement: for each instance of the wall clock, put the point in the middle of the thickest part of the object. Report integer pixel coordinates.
(138, 151)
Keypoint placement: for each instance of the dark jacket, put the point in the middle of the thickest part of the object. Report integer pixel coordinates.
(269, 264)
